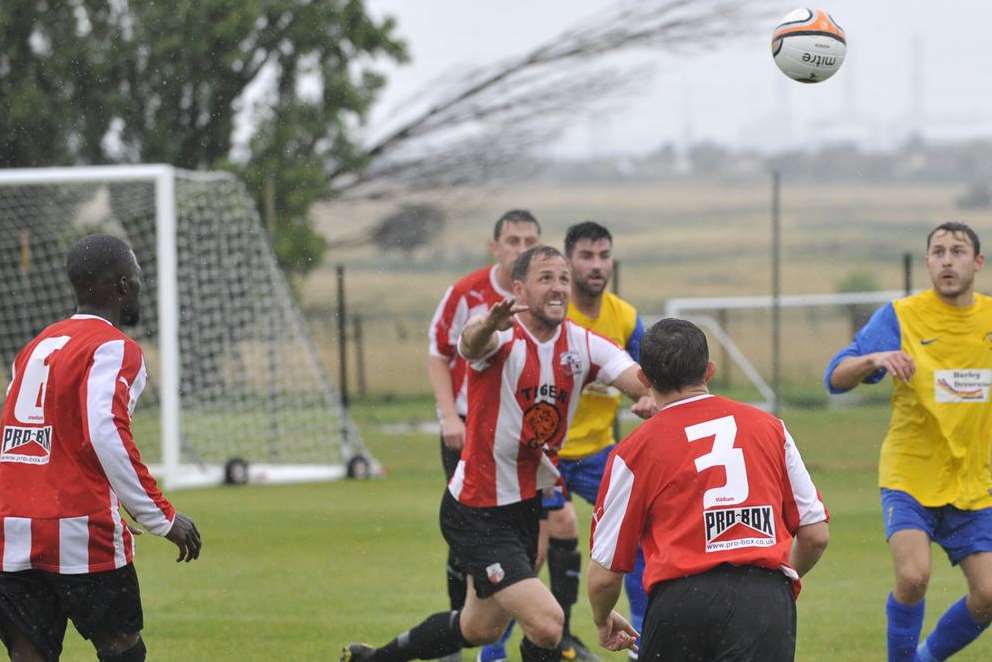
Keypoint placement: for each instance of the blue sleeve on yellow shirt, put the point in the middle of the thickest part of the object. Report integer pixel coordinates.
(880, 334)
(634, 342)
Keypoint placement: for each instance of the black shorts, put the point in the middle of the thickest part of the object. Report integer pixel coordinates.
(38, 604)
(730, 613)
(497, 546)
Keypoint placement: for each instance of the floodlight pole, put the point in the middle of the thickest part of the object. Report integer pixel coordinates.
(776, 288)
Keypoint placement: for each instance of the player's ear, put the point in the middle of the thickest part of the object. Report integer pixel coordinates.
(518, 290)
(710, 371)
(979, 261)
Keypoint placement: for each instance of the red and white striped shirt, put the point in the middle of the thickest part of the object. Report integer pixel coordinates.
(521, 399)
(705, 481)
(471, 295)
(68, 460)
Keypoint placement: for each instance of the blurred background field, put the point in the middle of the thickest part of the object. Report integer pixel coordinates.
(293, 572)
(673, 238)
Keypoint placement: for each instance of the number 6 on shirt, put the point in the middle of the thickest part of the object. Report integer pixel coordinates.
(723, 454)
(29, 406)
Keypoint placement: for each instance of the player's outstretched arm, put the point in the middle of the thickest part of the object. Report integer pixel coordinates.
(186, 537)
(809, 545)
(851, 371)
(478, 338)
(633, 386)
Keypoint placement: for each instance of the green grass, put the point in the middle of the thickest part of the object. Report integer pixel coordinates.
(293, 572)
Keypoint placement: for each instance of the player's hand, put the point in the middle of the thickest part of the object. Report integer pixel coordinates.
(646, 407)
(500, 316)
(897, 363)
(184, 535)
(617, 633)
(135, 531)
(453, 432)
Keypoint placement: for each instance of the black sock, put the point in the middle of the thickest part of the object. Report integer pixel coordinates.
(439, 635)
(564, 566)
(456, 584)
(531, 652)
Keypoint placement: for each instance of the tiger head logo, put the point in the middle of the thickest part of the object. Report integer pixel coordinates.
(542, 420)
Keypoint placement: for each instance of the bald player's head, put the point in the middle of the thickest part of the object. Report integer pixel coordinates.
(105, 276)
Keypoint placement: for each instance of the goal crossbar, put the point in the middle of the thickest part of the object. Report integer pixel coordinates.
(695, 308)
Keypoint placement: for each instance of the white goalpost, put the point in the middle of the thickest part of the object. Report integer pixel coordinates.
(236, 391)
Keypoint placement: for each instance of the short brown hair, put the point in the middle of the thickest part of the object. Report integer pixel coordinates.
(955, 227)
(674, 355)
(514, 216)
(522, 264)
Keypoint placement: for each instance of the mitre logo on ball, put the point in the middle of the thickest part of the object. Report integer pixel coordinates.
(808, 45)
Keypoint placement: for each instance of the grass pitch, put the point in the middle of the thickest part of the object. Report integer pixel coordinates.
(293, 572)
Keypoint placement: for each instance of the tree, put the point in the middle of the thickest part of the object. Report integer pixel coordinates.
(102, 81)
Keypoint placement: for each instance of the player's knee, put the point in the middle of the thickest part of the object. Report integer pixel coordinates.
(980, 601)
(563, 523)
(480, 634)
(128, 648)
(546, 630)
(911, 584)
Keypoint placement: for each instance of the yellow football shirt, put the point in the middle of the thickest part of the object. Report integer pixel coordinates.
(591, 429)
(938, 445)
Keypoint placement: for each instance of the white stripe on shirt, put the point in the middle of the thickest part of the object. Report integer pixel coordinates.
(120, 559)
(509, 423)
(101, 386)
(74, 545)
(604, 543)
(16, 543)
(811, 509)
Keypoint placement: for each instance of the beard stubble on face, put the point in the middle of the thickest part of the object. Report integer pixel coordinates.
(590, 290)
(536, 310)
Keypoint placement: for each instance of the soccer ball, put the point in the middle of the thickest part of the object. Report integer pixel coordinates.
(808, 45)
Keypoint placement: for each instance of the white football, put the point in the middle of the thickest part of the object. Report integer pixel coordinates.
(808, 45)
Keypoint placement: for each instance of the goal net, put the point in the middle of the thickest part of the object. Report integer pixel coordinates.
(232, 372)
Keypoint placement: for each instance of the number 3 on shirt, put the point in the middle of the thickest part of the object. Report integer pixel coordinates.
(724, 432)
(30, 403)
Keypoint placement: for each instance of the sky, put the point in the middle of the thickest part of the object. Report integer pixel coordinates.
(912, 65)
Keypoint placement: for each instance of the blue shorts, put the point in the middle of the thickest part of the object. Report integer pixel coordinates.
(584, 475)
(554, 502)
(581, 477)
(960, 533)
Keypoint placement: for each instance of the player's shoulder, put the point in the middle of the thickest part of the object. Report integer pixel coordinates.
(95, 332)
(619, 307)
(479, 280)
(711, 407)
(925, 302)
(585, 334)
(984, 302)
(916, 300)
